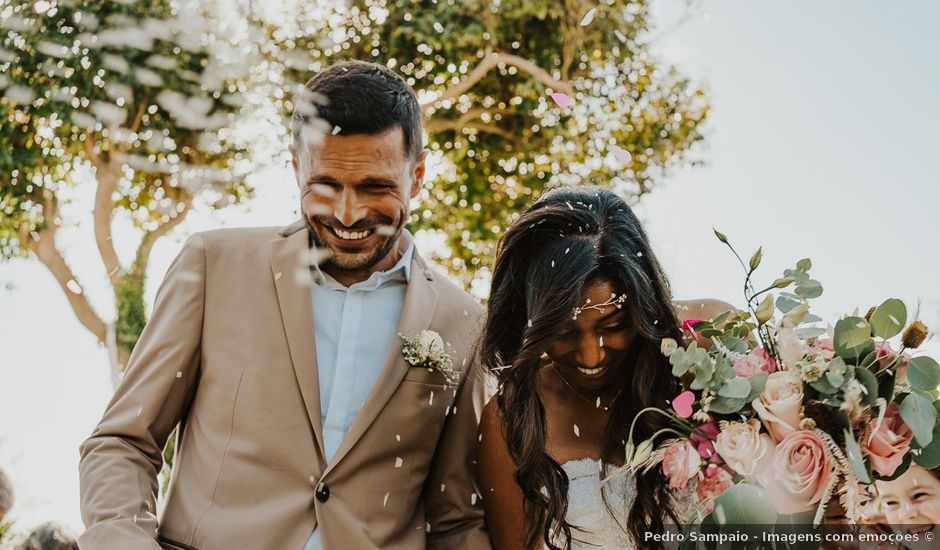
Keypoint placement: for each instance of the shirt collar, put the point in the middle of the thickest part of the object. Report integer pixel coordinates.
(401, 271)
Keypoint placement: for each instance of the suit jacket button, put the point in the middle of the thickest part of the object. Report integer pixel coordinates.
(323, 492)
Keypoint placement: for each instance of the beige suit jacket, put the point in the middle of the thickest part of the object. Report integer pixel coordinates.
(228, 355)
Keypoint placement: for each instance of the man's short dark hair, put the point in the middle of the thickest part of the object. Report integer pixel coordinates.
(361, 98)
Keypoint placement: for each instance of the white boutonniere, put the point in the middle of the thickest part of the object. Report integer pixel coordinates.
(427, 351)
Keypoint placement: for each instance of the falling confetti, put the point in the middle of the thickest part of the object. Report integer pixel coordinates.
(530, 323)
(139, 411)
(588, 17)
(73, 286)
(567, 250)
(399, 462)
(639, 254)
(135, 519)
(442, 487)
(397, 437)
(179, 374)
(336, 130)
(277, 275)
(621, 154)
(600, 341)
(385, 500)
(577, 431)
(553, 263)
(431, 399)
(473, 499)
(561, 99)
(598, 402)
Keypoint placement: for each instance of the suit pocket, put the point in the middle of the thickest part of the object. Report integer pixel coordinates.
(171, 544)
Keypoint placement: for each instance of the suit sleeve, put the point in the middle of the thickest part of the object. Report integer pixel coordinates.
(121, 460)
(455, 514)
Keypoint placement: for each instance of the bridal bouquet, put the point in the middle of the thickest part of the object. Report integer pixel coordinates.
(780, 408)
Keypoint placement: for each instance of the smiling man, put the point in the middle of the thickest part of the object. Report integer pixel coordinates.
(277, 352)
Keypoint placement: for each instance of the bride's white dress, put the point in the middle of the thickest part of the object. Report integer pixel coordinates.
(588, 510)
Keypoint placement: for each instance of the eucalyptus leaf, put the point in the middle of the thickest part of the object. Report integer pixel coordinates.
(923, 373)
(804, 265)
(744, 504)
(919, 414)
(758, 381)
(785, 304)
(727, 405)
(889, 318)
(929, 456)
(810, 332)
(810, 289)
(854, 455)
(852, 338)
(870, 382)
(736, 388)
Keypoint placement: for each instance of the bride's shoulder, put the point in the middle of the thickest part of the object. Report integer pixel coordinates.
(702, 308)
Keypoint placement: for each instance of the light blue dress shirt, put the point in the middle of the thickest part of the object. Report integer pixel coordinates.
(354, 328)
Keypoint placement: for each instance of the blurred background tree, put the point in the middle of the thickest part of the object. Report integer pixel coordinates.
(137, 99)
(485, 72)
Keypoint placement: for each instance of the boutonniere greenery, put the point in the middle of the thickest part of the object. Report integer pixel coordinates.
(427, 351)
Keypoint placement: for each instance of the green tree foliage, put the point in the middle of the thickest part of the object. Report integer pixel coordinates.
(484, 72)
(132, 97)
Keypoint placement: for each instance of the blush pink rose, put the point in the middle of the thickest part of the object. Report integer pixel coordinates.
(778, 406)
(758, 360)
(802, 469)
(711, 483)
(680, 464)
(888, 444)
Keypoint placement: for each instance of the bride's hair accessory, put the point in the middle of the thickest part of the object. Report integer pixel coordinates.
(614, 300)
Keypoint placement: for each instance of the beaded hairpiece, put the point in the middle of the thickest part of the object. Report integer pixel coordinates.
(614, 300)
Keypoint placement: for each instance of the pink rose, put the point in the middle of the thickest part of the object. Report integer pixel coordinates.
(711, 483)
(758, 360)
(743, 447)
(890, 440)
(703, 439)
(802, 469)
(778, 406)
(680, 464)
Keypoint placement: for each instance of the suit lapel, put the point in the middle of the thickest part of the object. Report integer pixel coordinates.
(416, 314)
(290, 265)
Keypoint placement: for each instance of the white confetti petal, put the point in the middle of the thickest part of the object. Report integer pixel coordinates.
(277, 275)
(431, 399)
(473, 499)
(385, 500)
(73, 286)
(179, 374)
(139, 411)
(588, 17)
(398, 462)
(397, 437)
(577, 431)
(336, 130)
(442, 487)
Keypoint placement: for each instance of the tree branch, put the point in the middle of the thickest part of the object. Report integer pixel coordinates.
(151, 237)
(491, 60)
(108, 174)
(45, 249)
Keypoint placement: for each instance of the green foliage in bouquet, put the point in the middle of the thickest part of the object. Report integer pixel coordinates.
(770, 388)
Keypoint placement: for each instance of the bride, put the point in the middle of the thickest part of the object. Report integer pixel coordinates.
(576, 313)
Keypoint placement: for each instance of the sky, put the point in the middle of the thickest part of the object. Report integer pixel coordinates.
(822, 143)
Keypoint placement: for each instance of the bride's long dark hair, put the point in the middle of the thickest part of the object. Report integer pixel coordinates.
(569, 238)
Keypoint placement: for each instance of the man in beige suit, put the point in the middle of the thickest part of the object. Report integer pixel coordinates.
(278, 355)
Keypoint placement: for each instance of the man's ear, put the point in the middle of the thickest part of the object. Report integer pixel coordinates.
(419, 173)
